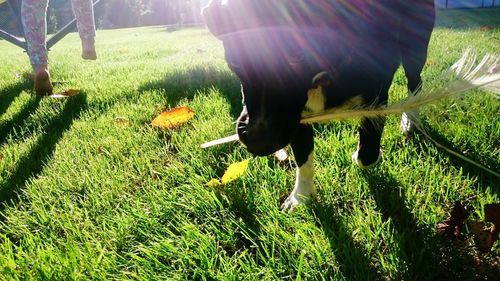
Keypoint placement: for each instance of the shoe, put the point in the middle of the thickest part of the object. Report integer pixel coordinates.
(43, 86)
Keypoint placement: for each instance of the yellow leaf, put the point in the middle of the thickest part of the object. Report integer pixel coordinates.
(214, 183)
(234, 171)
(173, 118)
(65, 94)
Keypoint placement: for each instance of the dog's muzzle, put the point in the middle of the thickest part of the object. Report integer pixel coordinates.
(260, 138)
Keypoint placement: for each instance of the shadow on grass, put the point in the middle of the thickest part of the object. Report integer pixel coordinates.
(17, 121)
(31, 164)
(240, 204)
(188, 84)
(410, 237)
(10, 93)
(350, 255)
(485, 179)
(425, 254)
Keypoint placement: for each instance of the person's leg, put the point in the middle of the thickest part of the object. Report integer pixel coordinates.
(84, 14)
(33, 15)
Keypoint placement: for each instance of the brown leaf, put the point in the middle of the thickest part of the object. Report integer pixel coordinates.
(121, 120)
(484, 239)
(492, 214)
(65, 94)
(173, 118)
(485, 28)
(452, 227)
(475, 227)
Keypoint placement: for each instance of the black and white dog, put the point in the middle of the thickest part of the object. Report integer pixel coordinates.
(313, 55)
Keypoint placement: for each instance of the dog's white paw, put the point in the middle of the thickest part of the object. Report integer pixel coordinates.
(290, 203)
(358, 162)
(407, 124)
(293, 201)
(304, 189)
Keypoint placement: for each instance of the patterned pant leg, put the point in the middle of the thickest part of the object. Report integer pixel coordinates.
(33, 14)
(84, 14)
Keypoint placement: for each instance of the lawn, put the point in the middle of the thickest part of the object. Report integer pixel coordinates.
(90, 191)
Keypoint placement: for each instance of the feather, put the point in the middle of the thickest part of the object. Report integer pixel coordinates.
(463, 76)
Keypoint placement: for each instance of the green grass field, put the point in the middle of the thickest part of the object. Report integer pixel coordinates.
(86, 197)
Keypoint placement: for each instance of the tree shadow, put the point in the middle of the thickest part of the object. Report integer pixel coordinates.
(425, 254)
(199, 80)
(484, 178)
(352, 259)
(32, 164)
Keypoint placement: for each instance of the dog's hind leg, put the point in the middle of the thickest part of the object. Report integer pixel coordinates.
(418, 21)
(413, 63)
(302, 146)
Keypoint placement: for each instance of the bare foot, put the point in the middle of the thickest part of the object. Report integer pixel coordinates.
(43, 86)
(88, 49)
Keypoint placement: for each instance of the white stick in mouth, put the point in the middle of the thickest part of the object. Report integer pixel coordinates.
(221, 141)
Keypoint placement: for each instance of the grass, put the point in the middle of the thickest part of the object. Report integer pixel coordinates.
(86, 197)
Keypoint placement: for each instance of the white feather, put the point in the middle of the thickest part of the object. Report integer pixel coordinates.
(463, 76)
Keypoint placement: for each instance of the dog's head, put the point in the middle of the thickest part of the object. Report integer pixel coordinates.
(275, 63)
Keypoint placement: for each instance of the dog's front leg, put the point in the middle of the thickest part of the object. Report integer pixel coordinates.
(302, 146)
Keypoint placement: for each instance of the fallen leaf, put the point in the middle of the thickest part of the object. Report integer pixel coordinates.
(214, 183)
(492, 214)
(173, 118)
(452, 227)
(484, 239)
(475, 227)
(121, 120)
(233, 172)
(482, 236)
(65, 94)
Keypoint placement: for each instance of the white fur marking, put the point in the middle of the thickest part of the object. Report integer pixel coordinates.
(304, 186)
(281, 155)
(315, 100)
(358, 162)
(407, 124)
